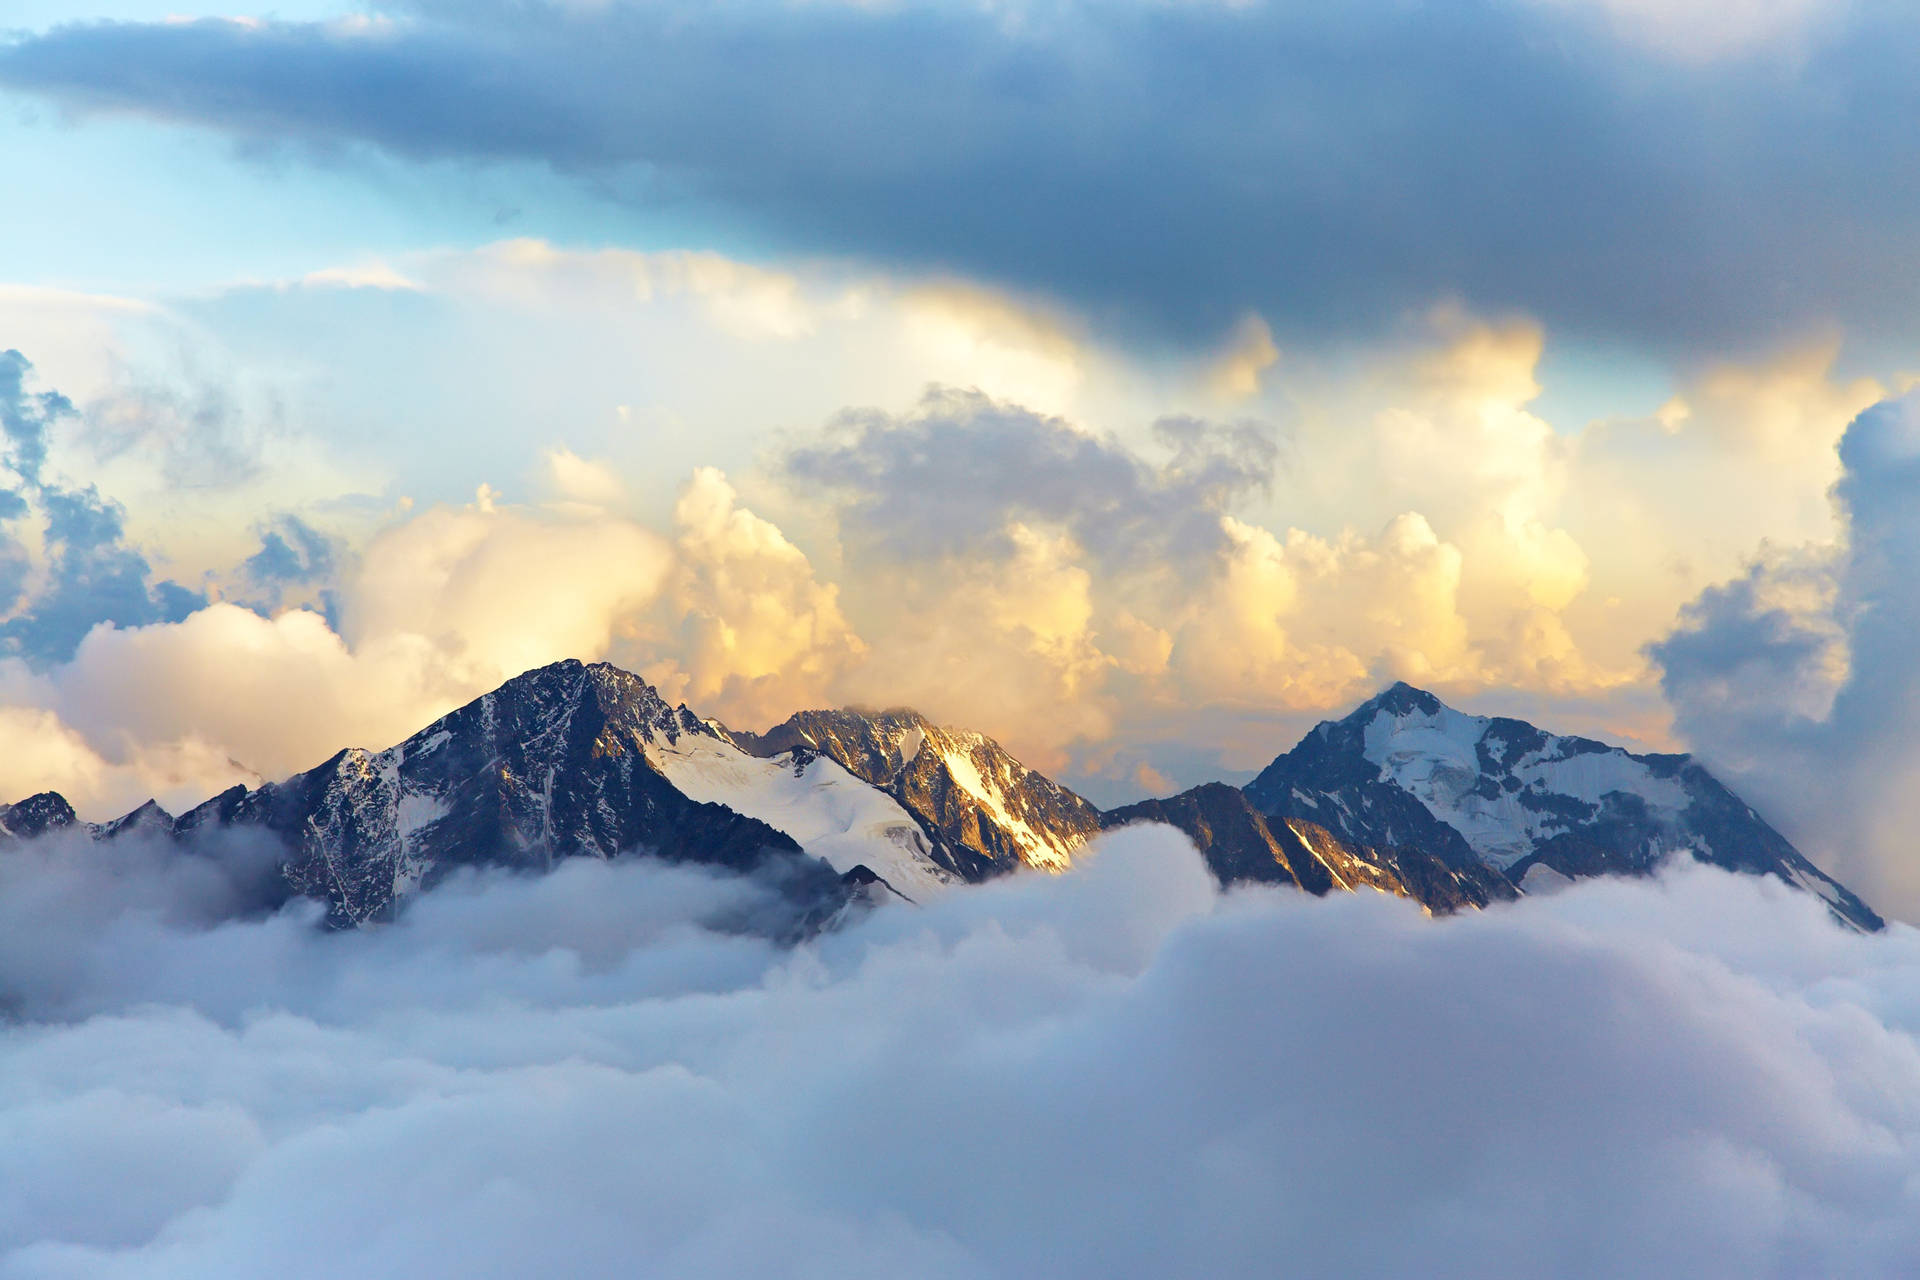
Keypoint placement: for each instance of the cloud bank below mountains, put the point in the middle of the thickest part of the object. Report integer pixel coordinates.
(1118, 1072)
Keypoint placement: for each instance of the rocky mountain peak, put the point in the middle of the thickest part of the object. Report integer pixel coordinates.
(983, 811)
(149, 818)
(37, 815)
(1404, 794)
(1399, 699)
(1406, 770)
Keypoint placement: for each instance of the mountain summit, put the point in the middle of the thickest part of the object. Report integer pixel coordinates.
(575, 759)
(853, 808)
(567, 760)
(1406, 770)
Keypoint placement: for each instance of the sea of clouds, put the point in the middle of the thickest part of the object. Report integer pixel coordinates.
(1117, 1072)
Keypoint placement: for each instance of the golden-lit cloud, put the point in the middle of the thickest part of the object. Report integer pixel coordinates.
(1047, 545)
(573, 478)
(748, 632)
(1250, 353)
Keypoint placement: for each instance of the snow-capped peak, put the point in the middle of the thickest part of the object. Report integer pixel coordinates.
(1504, 785)
(1406, 770)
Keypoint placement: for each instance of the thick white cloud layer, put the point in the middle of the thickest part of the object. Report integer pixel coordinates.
(1118, 1072)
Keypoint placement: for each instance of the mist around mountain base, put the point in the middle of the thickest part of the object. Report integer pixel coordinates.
(1124, 1071)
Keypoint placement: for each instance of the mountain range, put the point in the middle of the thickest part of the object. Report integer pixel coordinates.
(1405, 795)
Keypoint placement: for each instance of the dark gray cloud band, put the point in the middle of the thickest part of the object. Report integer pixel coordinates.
(1166, 165)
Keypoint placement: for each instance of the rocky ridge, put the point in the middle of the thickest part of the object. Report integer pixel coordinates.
(982, 811)
(856, 808)
(1406, 771)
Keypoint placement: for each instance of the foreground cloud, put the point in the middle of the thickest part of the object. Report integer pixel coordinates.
(1118, 1072)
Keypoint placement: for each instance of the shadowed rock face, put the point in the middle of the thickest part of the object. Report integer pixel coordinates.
(1406, 772)
(984, 812)
(1234, 837)
(1241, 844)
(551, 765)
(36, 816)
(148, 819)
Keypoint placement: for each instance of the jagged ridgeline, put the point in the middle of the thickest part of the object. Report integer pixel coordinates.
(1405, 796)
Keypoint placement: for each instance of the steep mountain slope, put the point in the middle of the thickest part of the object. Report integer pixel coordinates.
(831, 813)
(36, 816)
(568, 760)
(1405, 771)
(148, 819)
(1404, 795)
(1242, 844)
(982, 811)
(559, 762)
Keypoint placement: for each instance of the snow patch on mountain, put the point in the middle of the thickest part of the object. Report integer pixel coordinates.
(1450, 763)
(1037, 849)
(1820, 887)
(829, 812)
(909, 745)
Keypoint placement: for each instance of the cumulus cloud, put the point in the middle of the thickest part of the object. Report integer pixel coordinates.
(1250, 353)
(437, 608)
(1118, 1072)
(44, 753)
(1174, 594)
(756, 635)
(1108, 588)
(1076, 585)
(585, 480)
(949, 476)
(291, 551)
(296, 565)
(1417, 518)
(82, 571)
(1801, 674)
(500, 589)
(1001, 563)
(1577, 542)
